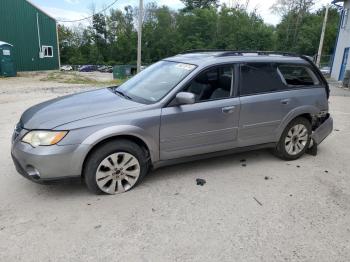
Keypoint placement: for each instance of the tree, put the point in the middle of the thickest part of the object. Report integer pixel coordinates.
(112, 38)
(307, 39)
(194, 4)
(161, 38)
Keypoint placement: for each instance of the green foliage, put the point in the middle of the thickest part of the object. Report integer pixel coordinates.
(304, 37)
(112, 39)
(197, 4)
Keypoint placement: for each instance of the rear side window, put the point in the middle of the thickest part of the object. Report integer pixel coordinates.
(297, 75)
(259, 78)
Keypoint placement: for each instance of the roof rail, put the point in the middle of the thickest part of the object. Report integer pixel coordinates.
(201, 51)
(224, 52)
(233, 53)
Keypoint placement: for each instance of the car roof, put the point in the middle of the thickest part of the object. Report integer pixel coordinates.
(214, 57)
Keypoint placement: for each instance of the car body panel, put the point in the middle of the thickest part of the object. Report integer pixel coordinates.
(199, 128)
(169, 132)
(260, 116)
(62, 110)
(324, 130)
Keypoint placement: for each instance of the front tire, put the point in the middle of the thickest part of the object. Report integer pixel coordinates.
(295, 139)
(115, 167)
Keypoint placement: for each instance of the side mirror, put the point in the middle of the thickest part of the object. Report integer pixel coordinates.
(185, 98)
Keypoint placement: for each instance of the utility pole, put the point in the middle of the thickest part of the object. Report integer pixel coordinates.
(319, 54)
(139, 40)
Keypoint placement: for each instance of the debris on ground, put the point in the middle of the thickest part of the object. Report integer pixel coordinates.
(176, 194)
(298, 166)
(257, 201)
(290, 195)
(153, 210)
(200, 182)
(98, 226)
(243, 160)
(326, 171)
(337, 130)
(267, 178)
(244, 165)
(88, 204)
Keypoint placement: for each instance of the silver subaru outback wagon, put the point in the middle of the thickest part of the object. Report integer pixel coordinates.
(193, 105)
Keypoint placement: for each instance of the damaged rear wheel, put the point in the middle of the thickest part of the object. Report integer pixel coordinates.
(295, 139)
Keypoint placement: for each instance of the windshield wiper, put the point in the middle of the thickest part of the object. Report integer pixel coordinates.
(122, 94)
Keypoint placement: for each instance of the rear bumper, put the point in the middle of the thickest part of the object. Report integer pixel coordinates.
(324, 130)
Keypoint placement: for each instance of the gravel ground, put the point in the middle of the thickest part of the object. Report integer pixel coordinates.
(260, 209)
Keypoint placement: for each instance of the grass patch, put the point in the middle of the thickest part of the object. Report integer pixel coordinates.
(78, 79)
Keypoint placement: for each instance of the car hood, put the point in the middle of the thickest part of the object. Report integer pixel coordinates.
(67, 109)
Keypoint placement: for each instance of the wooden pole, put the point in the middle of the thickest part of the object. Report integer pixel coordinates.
(319, 54)
(139, 40)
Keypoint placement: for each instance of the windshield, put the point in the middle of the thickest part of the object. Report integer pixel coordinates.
(153, 83)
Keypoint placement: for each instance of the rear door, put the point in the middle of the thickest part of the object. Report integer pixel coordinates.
(264, 103)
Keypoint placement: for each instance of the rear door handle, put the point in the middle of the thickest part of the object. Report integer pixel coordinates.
(228, 109)
(285, 101)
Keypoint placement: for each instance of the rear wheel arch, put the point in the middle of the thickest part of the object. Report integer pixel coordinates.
(307, 116)
(305, 112)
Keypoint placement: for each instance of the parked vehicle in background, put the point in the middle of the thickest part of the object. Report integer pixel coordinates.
(326, 70)
(186, 107)
(87, 68)
(66, 68)
(105, 69)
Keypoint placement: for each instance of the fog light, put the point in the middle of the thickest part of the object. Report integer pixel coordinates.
(33, 172)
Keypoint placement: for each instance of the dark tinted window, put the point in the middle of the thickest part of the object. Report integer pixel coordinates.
(260, 78)
(296, 75)
(214, 83)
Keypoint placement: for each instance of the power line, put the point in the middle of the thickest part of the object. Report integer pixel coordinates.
(89, 17)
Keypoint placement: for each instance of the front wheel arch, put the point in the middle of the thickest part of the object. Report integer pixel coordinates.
(133, 139)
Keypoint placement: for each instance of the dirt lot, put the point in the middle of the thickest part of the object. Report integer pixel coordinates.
(268, 210)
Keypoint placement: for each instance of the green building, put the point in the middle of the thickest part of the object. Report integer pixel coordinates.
(32, 33)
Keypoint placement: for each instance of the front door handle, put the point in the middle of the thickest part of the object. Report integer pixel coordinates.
(228, 109)
(285, 101)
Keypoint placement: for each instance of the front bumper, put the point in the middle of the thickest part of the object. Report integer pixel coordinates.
(48, 163)
(323, 130)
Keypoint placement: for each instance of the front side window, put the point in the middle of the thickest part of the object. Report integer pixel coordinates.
(298, 75)
(157, 80)
(257, 78)
(214, 83)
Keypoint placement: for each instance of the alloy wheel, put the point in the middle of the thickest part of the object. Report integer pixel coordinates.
(118, 173)
(296, 139)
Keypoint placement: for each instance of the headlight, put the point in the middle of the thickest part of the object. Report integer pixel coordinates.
(43, 138)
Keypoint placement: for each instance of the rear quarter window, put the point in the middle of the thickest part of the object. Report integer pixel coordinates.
(298, 75)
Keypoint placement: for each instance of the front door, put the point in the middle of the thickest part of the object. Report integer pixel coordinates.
(344, 63)
(209, 125)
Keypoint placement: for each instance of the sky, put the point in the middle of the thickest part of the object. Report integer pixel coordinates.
(76, 9)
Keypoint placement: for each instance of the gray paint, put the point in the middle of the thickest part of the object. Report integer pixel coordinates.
(169, 132)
